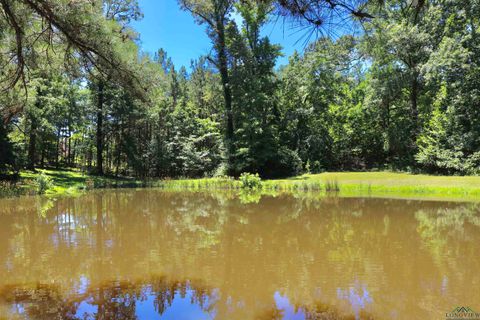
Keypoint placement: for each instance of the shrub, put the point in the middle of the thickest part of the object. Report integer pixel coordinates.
(472, 164)
(43, 183)
(89, 184)
(9, 189)
(250, 181)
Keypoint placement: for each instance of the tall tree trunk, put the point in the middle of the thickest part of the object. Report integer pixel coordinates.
(42, 159)
(32, 145)
(73, 153)
(57, 153)
(100, 128)
(90, 157)
(118, 154)
(69, 150)
(227, 91)
(107, 155)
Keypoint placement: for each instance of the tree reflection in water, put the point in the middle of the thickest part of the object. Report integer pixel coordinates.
(155, 299)
(119, 300)
(122, 253)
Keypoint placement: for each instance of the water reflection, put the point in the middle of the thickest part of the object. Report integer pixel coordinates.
(156, 299)
(148, 254)
(358, 297)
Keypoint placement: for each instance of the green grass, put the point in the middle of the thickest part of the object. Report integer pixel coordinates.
(64, 182)
(391, 184)
(347, 184)
(71, 182)
(377, 184)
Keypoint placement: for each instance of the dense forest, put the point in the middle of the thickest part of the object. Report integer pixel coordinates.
(402, 92)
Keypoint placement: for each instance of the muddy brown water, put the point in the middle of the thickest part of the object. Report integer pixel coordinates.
(148, 254)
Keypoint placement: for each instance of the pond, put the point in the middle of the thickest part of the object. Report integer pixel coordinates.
(150, 254)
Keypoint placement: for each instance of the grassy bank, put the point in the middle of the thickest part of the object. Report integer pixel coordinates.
(61, 182)
(385, 184)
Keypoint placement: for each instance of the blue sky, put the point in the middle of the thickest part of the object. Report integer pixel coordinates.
(165, 26)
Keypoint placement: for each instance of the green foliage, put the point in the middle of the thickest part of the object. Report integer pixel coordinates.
(403, 95)
(43, 183)
(324, 118)
(9, 189)
(257, 144)
(451, 141)
(250, 181)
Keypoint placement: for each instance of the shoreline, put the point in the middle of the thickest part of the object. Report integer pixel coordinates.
(344, 184)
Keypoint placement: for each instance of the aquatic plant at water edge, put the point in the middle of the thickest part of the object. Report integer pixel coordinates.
(250, 181)
(332, 186)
